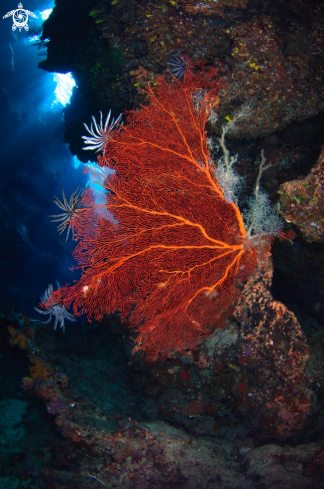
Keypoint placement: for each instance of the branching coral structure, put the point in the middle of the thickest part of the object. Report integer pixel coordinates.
(172, 255)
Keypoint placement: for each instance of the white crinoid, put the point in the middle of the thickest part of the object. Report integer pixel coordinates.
(99, 133)
(71, 210)
(180, 65)
(55, 309)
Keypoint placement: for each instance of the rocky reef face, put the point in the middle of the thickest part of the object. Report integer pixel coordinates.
(251, 374)
(302, 202)
(269, 56)
(238, 409)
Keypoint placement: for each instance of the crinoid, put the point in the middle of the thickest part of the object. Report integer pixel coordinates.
(55, 309)
(71, 211)
(99, 133)
(180, 66)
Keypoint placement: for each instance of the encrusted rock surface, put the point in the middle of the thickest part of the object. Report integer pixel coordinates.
(302, 202)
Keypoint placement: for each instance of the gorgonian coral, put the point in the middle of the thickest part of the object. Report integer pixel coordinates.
(172, 253)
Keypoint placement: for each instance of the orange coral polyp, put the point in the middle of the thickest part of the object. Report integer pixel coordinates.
(171, 253)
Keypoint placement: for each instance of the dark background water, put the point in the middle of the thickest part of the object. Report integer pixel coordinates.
(35, 164)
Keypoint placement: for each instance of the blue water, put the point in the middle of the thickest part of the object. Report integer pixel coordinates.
(35, 164)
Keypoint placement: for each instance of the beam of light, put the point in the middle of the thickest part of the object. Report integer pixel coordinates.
(31, 39)
(96, 179)
(46, 13)
(76, 162)
(64, 87)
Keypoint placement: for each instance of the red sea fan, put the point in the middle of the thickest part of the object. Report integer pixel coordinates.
(166, 248)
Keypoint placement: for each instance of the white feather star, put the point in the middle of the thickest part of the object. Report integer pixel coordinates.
(57, 310)
(99, 134)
